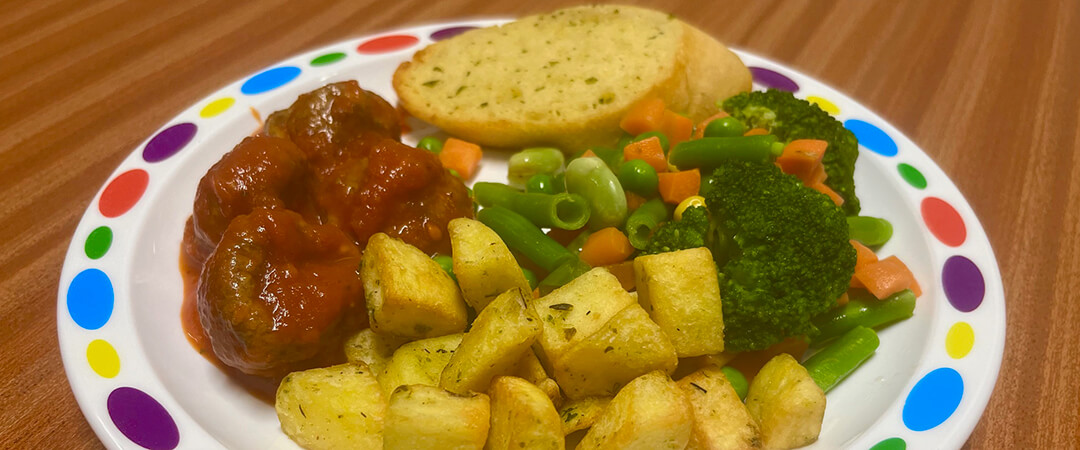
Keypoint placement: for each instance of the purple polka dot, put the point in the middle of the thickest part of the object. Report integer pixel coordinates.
(142, 419)
(447, 33)
(773, 79)
(964, 285)
(168, 142)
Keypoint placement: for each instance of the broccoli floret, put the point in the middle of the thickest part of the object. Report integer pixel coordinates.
(791, 118)
(690, 231)
(786, 256)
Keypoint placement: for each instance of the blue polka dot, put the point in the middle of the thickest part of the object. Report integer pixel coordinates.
(90, 299)
(872, 137)
(270, 79)
(933, 399)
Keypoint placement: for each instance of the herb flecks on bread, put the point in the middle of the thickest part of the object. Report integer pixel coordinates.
(567, 77)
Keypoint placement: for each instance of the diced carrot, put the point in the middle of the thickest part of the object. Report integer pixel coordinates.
(843, 300)
(802, 157)
(855, 283)
(648, 150)
(822, 188)
(606, 247)
(863, 256)
(749, 363)
(464, 157)
(633, 201)
(678, 186)
(699, 130)
(886, 277)
(817, 176)
(755, 132)
(646, 115)
(588, 153)
(624, 272)
(562, 236)
(677, 127)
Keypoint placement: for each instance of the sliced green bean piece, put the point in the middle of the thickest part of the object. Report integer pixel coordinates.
(522, 236)
(709, 152)
(737, 380)
(870, 231)
(565, 211)
(431, 144)
(864, 310)
(447, 264)
(540, 183)
(592, 179)
(531, 161)
(644, 220)
(563, 274)
(579, 241)
(612, 157)
(835, 362)
(530, 276)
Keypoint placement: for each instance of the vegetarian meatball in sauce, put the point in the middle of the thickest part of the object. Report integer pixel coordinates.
(272, 250)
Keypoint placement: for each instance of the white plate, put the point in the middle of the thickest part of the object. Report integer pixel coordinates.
(140, 383)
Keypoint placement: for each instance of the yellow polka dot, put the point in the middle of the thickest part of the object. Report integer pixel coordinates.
(103, 358)
(959, 340)
(825, 105)
(216, 107)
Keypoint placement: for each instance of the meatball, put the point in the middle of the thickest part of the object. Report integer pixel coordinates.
(323, 121)
(278, 294)
(260, 172)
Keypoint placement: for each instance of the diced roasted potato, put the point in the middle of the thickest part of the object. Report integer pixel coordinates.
(332, 407)
(628, 346)
(500, 335)
(681, 292)
(529, 368)
(372, 348)
(721, 421)
(407, 293)
(483, 265)
(522, 416)
(575, 311)
(425, 417)
(551, 388)
(582, 413)
(786, 403)
(651, 412)
(419, 362)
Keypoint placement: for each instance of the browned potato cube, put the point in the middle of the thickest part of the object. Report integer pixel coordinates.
(721, 421)
(419, 362)
(628, 346)
(573, 312)
(332, 407)
(407, 293)
(650, 413)
(786, 403)
(424, 417)
(500, 335)
(371, 348)
(681, 292)
(483, 265)
(582, 413)
(522, 416)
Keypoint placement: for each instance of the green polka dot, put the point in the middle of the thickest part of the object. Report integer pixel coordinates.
(328, 58)
(890, 444)
(97, 244)
(912, 175)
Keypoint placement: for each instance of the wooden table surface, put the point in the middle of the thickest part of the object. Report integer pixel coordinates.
(991, 90)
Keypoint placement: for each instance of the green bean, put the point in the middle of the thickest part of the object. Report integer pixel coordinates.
(565, 211)
(624, 140)
(639, 177)
(590, 178)
(431, 144)
(558, 183)
(540, 183)
(864, 310)
(835, 362)
(530, 276)
(644, 220)
(708, 152)
(724, 127)
(664, 142)
(870, 231)
(447, 264)
(532, 161)
(575, 245)
(522, 236)
(563, 274)
(737, 380)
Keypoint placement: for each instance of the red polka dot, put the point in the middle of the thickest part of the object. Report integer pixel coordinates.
(123, 192)
(387, 43)
(944, 222)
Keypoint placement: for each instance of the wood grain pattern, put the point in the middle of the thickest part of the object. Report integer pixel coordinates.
(988, 89)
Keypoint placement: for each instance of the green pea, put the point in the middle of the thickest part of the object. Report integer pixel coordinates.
(737, 380)
(639, 177)
(447, 264)
(540, 183)
(431, 144)
(454, 173)
(663, 138)
(725, 127)
(625, 140)
(531, 277)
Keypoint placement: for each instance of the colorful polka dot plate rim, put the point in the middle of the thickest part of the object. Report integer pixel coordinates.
(141, 385)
